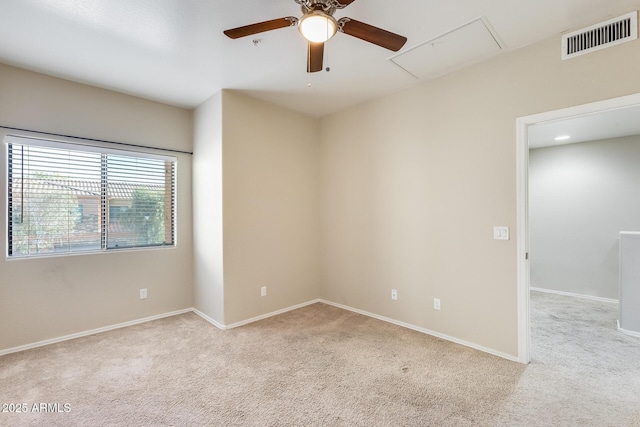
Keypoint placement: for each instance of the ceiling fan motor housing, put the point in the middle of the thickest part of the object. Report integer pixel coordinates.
(327, 6)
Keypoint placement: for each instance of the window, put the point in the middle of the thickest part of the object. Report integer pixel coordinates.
(68, 198)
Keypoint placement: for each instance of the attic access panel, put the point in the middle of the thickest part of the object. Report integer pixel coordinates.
(464, 45)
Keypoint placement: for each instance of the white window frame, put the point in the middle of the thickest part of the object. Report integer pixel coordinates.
(102, 147)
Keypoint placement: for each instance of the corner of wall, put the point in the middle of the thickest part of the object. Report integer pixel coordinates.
(207, 209)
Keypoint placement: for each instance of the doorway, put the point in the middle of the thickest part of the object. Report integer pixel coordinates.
(624, 108)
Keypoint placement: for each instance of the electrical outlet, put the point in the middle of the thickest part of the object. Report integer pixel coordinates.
(263, 291)
(436, 303)
(143, 293)
(394, 294)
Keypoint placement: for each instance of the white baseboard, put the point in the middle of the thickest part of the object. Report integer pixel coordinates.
(425, 331)
(92, 332)
(273, 313)
(626, 332)
(255, 319)
(209, 319)
(149, 319)
(569, 294)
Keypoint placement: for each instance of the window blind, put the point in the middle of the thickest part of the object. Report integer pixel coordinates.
(67, 198)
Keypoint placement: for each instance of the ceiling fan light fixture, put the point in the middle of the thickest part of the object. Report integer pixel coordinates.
(317, 26)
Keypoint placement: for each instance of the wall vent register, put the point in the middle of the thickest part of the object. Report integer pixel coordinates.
(600, 36)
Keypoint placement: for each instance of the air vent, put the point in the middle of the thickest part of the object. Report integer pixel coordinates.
(600, 36)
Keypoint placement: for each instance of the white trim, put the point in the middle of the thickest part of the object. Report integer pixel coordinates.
(149, 319)
(30, 258)
(423, 330)
(255, 319)
(569, 294)
(273, 313)
(522, 178)
(92, 332)
(522, 242)
(626, 332)
(210, 319)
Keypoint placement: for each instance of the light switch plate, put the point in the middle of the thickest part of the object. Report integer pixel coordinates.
(501, 233)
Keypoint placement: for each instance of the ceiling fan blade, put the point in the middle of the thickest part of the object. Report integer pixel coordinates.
(261, 27)
(345, 3)
(371, 34)
(315, 55)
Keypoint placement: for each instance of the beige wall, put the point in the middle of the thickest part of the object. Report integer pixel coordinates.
(51, 297)
(270, 207)
(397, 193)
(413, 183)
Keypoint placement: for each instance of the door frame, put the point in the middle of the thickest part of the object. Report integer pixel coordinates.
(522, 202)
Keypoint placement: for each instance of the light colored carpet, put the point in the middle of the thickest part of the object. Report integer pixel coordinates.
(319, 366)
(583, 371)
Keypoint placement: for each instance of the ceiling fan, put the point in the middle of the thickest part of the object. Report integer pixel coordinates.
(318, 25)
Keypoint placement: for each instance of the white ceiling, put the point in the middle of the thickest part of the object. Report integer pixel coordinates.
(173, 51)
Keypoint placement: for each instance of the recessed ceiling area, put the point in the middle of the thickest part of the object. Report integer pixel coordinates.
(609, 124)
(175, 52)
